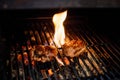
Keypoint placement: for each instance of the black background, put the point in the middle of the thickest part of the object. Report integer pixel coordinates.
(103, 20)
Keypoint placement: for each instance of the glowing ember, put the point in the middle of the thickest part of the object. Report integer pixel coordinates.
(59, 36)
(50, 72)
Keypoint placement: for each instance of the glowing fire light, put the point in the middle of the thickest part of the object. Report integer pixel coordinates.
(59, 61)
(59, 36)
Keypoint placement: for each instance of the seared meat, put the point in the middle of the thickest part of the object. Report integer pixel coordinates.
(43, 53)
(73, 48)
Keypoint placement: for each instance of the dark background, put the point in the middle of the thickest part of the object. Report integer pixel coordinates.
(103, 20)
(33, 4)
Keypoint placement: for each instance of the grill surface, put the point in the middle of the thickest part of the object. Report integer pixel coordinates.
(101, 61)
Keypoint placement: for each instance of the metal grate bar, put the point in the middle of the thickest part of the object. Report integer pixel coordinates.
(95, 64)
(103, 52)
(62, 60)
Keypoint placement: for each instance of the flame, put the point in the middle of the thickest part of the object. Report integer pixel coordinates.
(66, 61)
(59, 61)
(59, 36)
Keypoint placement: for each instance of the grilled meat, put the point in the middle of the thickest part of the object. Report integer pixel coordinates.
(73, 48)
(43, 53)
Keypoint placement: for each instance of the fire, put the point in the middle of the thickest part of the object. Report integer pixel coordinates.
(59, 61)
(58, 20)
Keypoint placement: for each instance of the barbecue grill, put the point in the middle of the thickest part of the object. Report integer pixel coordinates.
(99, 62)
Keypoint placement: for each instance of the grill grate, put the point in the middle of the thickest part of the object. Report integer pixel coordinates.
(100, 62)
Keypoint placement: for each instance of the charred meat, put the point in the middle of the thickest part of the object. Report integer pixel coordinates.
(43, 53)
(73, 48)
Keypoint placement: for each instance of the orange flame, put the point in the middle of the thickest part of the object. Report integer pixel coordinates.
(59, 36)
(59, 61)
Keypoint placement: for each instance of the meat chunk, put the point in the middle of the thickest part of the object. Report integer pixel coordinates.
(43, 53)
(73, 48)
